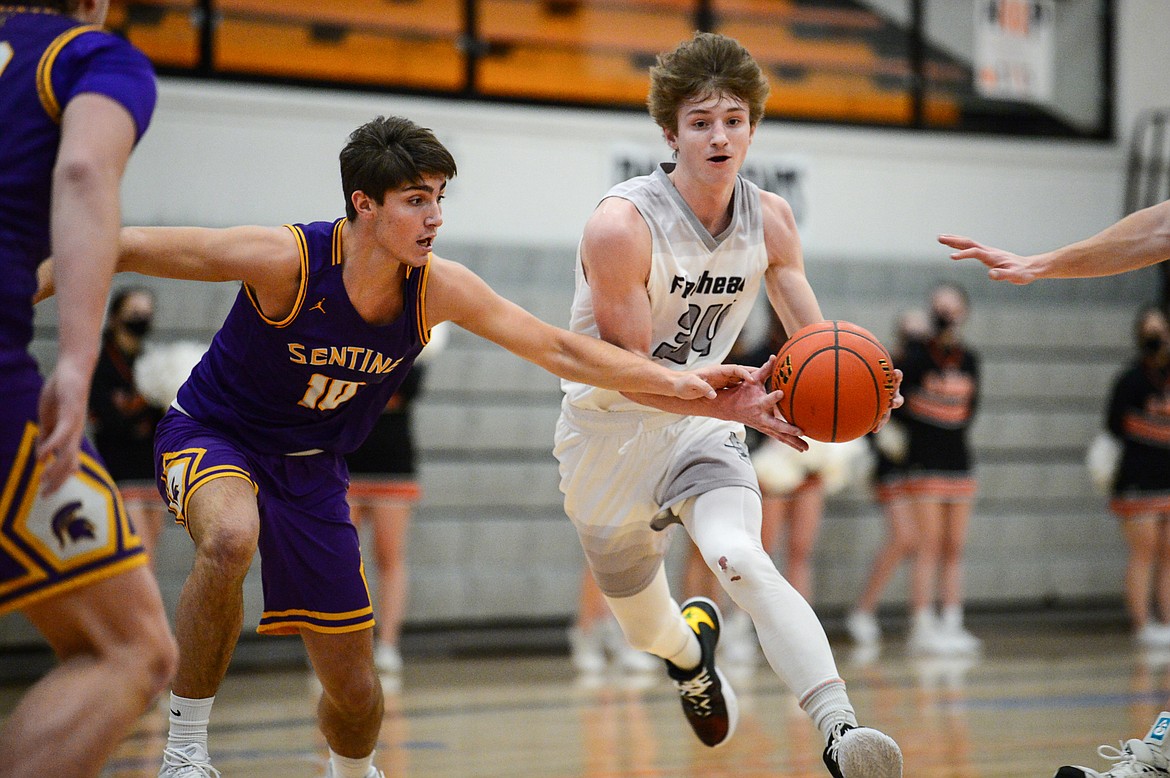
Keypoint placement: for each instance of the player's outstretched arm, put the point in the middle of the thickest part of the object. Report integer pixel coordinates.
(254, 255)
(265, 258)
(1139, 240)
(456, 294)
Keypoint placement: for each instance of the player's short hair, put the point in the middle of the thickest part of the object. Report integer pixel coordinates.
(707, 65)
(387, 153)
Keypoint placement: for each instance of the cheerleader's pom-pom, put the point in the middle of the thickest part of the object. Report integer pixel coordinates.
(440, 334)
(891, 440)
(163, 368)
(778, 467)
(1102, 460)
(838, 464)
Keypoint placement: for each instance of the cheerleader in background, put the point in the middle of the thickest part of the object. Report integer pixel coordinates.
(941, 386)
(1139, 416)
(889, 478)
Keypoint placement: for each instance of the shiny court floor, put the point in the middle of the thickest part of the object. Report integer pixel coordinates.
(1037, 698)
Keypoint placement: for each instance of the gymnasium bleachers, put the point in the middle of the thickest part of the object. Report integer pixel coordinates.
(828, 61)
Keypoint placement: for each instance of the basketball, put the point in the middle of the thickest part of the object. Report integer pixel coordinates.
(837, 379)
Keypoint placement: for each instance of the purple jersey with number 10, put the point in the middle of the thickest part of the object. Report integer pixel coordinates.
(315, 379)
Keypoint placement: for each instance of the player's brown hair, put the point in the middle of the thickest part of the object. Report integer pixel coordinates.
(708, 64)
(387, 153)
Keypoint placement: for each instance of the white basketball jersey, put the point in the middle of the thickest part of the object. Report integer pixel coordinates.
(701, 287)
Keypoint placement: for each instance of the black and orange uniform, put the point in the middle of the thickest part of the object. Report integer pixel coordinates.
(123, 421)
(385, 466)
(940, 384)
(1139, 415)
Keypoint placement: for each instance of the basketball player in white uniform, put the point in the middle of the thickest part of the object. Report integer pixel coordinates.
(669, 266)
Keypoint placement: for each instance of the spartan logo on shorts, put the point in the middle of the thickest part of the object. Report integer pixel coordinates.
(75, 521)
(737, 445)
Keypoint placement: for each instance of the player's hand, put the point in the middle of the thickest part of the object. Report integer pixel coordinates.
(1001, 265)
(895, 402)
(62, 411)
(723, 376)
(749, 402)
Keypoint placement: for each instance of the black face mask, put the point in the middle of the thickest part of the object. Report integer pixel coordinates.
(942, 322)
(1151, 345)
(138, 327)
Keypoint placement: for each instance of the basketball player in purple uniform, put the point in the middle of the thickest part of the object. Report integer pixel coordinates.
(329, 319)
(74, 101)
(1139, 240)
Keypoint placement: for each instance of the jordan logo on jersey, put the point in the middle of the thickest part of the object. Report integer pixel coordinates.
(320, 306)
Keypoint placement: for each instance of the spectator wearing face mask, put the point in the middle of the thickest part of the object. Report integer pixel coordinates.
(941, 386)
(121, 419)
(1139, 416)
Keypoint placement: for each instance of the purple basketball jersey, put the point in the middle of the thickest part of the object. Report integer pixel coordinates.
(46, 60)
(80, 534)
(316, 379)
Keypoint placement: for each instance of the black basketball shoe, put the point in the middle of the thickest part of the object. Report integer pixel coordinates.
(707, 699)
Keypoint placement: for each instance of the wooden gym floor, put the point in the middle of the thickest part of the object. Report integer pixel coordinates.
(1040, 696)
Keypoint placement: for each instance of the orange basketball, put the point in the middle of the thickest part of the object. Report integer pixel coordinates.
(837, 379)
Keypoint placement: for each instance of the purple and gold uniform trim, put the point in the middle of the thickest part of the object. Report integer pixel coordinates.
(303, 250)
(71, 539)
(288, 622)
(337, 255)
(45, 69)
(424, 331)
(183, 475)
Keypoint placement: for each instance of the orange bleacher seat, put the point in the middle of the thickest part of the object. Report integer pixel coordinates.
(592, 26)
(572, 76)
(424, 18)
(362, 58)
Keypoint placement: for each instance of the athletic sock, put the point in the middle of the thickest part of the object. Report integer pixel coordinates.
(828, 705)
(188, 721)
(690, 656)
(344, 767)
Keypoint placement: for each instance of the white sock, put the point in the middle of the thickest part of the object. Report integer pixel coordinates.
(828, 705)
(689, 658)
(344, 767)
(188, 721)
(924, 621)
(952, 618)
